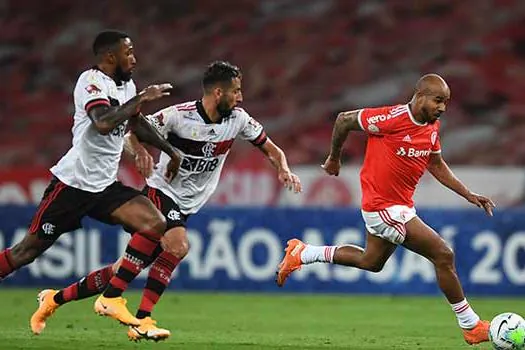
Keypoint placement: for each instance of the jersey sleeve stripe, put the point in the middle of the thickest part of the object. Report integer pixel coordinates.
(436, 152)
(359, 119)
(260, 140)
(97, 102)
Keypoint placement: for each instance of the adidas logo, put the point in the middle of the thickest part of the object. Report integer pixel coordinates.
(407, 139)
(212, 132)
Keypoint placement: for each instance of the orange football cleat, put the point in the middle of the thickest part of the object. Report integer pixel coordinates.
(46, 307)
(147, 330)
(291, 260)
(115, 308)
(478, 334)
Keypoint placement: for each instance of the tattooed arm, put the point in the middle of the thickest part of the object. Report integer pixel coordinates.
(147, 133)
(345, 122)
(106, 118)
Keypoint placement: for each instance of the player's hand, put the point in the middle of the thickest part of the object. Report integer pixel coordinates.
(144, 163)
(172, 169)
(290, 181)
(332, 166)
(482, 202)
(154, 92)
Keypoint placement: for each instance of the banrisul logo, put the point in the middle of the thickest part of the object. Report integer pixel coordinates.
(412, 152)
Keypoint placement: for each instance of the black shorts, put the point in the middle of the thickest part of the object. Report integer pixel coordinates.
(168, 207)
(62, 207)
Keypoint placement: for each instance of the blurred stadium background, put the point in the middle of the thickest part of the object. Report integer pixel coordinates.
(303, 61)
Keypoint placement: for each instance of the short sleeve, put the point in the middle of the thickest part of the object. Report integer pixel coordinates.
(435, 140)
(378, 121)
(91, 91)
(252, 130)
(165, 120)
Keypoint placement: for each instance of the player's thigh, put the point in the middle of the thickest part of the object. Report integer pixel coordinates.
(60, 210)
(123, 205)
(167, 206)
(175, 240)
(425, 241)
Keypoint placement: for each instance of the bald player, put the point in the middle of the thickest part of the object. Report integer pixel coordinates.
(403, 141)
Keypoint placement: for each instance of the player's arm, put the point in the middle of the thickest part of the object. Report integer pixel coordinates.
(143, 160)
(277, 158)
(345, 122)
(442, 172)
(106, 117)
(147, 133)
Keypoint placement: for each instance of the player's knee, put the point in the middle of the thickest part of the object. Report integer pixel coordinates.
(374, 265)
(184, 248)
(444, 257)
(178, 247)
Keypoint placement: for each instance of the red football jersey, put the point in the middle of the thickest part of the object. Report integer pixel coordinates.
(397, 155)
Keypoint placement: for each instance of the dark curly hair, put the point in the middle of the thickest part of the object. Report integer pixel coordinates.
(219, 72)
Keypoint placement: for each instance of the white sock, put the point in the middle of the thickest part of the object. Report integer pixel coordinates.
(467, 318)
(314, 253)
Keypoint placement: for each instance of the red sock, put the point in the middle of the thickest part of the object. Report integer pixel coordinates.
(158, 279)
(92, 284)
(6, 264)
(137, 256)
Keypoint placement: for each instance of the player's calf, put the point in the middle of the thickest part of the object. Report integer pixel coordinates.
(159, 275)
(25, 252)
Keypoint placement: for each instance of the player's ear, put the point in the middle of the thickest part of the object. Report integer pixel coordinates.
(111, 57)
(217, 92)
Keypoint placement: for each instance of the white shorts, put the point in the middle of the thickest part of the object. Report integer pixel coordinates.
(389, 223)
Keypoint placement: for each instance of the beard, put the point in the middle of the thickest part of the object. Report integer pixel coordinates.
(224, 109)
(120, 75)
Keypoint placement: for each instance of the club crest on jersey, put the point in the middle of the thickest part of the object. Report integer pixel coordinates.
(159, 119)
(373, 128)
(93, 89)
(433, 137)
(208, 149)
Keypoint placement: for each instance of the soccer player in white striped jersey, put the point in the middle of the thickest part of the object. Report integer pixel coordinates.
(202, 132)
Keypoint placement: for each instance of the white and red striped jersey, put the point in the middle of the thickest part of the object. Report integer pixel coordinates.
(203, 146)
(92, 163)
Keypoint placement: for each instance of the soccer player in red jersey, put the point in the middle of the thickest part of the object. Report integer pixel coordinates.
(403, 141)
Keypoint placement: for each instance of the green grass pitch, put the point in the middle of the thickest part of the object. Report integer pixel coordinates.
(253, 321)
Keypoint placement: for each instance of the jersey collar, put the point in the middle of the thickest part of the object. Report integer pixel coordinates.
(204, 115)
(412, 117)
(117, 82)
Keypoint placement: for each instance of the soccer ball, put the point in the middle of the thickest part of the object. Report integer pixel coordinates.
(507, 332)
